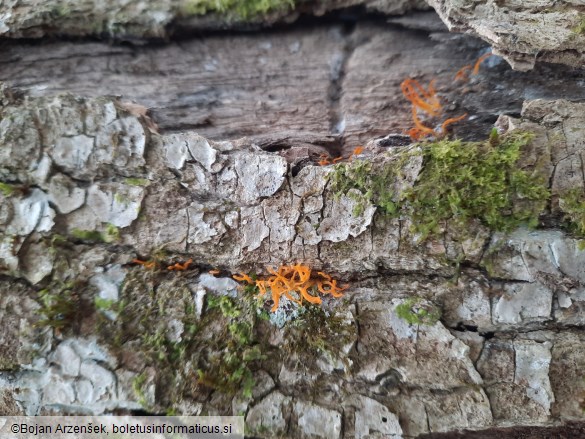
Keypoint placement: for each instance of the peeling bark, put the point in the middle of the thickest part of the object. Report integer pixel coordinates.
(522, 32)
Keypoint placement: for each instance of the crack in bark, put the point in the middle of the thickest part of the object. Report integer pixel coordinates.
(188, 229)
(336, 83)
(427, 418)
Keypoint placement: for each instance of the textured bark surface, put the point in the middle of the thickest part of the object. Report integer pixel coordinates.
(122, 224)
(88, 187)
(329, 86)
(523, 32)
(155, 18)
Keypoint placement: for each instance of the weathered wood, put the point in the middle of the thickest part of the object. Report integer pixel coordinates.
(298, 85)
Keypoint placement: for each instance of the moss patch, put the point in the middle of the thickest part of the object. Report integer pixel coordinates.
(230, 362)
(110, 234)
(572, 204)
(372, 181)
(580, 28)
(239, 9)
(459, 182)
(87, 235)
(465, 180)
(416, 313)
(7, 189)
(59, 306)
(316, 332)
(137, 182)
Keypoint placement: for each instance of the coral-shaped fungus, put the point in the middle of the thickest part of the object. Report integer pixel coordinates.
(426, 100)
(296, 283)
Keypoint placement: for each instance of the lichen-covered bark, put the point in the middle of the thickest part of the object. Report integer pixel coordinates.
(88, 189)
(522, 32)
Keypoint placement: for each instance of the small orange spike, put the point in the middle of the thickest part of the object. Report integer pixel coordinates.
(450, 121)
(145, 264)
(180, 267)
(462, 73)
(479, 61)
(324, 160)
(420, 130)
(242, 277)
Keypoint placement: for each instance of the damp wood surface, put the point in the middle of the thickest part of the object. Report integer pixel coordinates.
(336, 84)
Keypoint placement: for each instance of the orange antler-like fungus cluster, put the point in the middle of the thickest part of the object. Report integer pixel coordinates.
(427, 101)
(296, 283)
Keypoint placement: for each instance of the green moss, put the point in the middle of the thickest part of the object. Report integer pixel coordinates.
(415, 313)
(218, 351)
(120, 199)
(494, 138)
(315, 331)
(225, 304)
(111, 234)
(372, 181)
(231, 370)
(139, 388)
(7, 189)
(137, 181)
(145, 308)
(59, 306)
(465, 180)
(116, 306)
(572, 204)
(580, 28)
(87, 235)
(57, 240)
(240, 9)
(459, 182)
